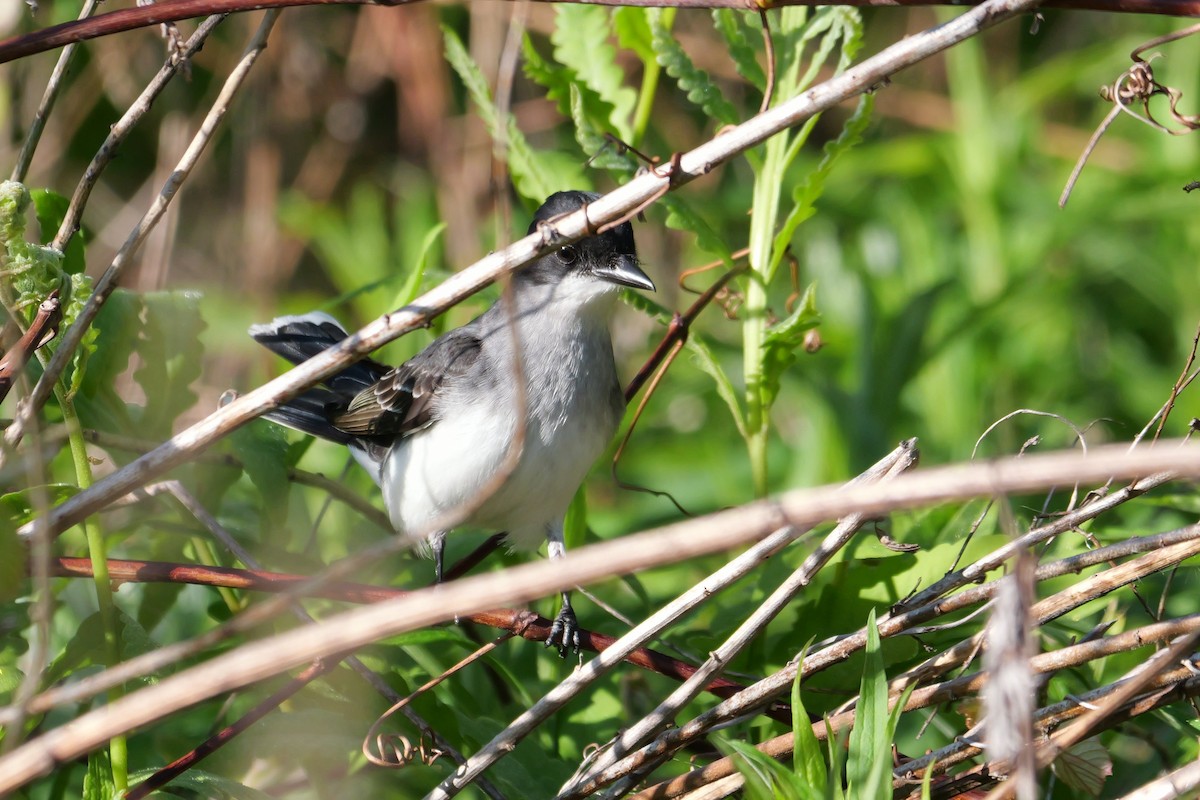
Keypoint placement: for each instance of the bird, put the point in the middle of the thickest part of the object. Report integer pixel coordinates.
(535, 372)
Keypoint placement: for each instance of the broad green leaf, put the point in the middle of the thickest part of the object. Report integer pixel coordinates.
(588, 110)
(97, 402)
(51, 209)
(86, 647)
(807, 761)
(707, 362)
(694, 82)
(581, 42)
(736, 28)
(263, 449)
(1084, 767)
(632, 26)
(171, 356)
(205, 784)
(98, 780)
(18, 507)
(529, 176)
(869, 745)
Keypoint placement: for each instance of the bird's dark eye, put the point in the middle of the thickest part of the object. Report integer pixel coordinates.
(568, 255)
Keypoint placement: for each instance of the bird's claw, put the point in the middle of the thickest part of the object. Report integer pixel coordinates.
(564, 633)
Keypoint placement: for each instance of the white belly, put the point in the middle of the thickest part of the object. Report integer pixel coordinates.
(453, 472)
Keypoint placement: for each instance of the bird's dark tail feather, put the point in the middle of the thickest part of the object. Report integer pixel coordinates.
(299, 338)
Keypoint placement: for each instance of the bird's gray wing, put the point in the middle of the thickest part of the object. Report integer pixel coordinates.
(403, 400)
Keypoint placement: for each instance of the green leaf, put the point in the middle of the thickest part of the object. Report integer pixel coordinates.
(581, 42)
(264, 451)
(765, 778)
(86, 648)
(412, 284)
(806, 194)
(12, 560)
(529, 176)
(98, 781)
(603, 153)
(682, 217)
(694, 82)
(204, 784)
(736, 28)
(51, 208)
(869, 743)
(575, 524)
(783, 342)
(1084, 767)
(116, 330)
(171, 357)
(19, 509)
(807, 761)
(707, 362)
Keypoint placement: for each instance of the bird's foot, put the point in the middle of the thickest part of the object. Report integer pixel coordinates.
(564, 633)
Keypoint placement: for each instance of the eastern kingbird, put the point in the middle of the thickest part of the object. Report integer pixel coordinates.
(436, 431)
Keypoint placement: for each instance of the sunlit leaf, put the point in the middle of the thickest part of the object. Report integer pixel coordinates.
(1084, 767)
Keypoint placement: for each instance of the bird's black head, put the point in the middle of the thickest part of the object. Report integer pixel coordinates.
(610, 256)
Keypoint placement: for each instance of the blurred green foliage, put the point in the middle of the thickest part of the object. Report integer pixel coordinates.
(917, 225)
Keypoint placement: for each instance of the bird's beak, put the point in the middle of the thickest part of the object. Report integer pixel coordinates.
(624, 271)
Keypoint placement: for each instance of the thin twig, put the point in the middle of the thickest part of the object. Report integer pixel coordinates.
(639, 733)
(49, 97)
(108, 282)
(128, 19)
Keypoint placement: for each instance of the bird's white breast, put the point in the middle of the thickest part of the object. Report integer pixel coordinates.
(571, 407)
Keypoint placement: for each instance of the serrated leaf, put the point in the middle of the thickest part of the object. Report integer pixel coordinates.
(782, 344)
(581, 42)
(602, 152)
(682, 217)
(806, 194)
(116, 330)
(1084, 767)
(699, 87)
(528, 174)
(790, 332)
(171, 356)
(708, 363)
(734, 26)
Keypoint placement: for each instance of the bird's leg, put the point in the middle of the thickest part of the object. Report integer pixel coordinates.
(437, 541)
(564, 633)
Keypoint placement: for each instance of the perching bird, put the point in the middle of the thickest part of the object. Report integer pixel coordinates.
(436, 430)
